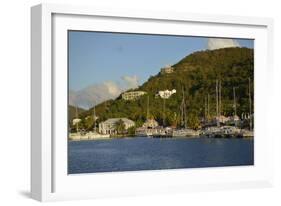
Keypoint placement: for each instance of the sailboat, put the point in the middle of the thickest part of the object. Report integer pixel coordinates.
(78, 135)
(184, 131)
(148, 127)
(94, 134)
(249, 132)
(219, 130)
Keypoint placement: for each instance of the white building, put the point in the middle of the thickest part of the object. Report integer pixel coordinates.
(76, 121)
(167, 70)
(133, 95)
(222, 119)
(150, 123)
(226, 120)
(235, 118)
(109, 126)
(166, 93)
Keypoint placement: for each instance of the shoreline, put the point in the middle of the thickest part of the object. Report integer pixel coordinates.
(180, 137)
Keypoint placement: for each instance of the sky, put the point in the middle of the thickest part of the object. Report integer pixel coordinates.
(114, 62)
(95, 57)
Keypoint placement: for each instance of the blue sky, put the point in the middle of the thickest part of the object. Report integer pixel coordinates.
(97, 57)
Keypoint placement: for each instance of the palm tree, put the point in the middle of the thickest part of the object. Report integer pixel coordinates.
(120, 126)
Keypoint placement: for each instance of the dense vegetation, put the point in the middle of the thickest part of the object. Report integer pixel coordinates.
(72, 111)
(195, 75)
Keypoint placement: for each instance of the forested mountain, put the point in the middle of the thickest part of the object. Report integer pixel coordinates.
(72, 112)
(195, 76)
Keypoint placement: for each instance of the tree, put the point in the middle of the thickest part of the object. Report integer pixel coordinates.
(193, 121)
(89, 123)
(120, 126)
(197, 73)
(132, 130)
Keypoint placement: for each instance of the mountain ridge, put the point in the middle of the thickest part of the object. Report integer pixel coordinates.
(195, 76)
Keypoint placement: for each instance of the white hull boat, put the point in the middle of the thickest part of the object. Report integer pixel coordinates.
(88, 136)
(185, 133)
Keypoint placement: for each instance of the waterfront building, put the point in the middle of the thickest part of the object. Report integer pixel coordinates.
(150, 123)
(133, 95)
(223, 119)
(109, 126)
(167, 70)
(235, 118)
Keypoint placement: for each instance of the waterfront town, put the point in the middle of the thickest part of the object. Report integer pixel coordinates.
(210, 126)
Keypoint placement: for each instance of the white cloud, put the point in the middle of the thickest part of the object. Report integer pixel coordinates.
(94, 94)
(97, 93)
(113, 88)
(131, 81)
(217, 43)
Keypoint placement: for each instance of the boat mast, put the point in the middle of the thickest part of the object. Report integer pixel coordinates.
(183, 111)
(234, 106)
(185, 118)
(77, 126)
(208, 107)
(219, 98)
(94, 117)
(234, 101)
(164, 112)
(217, 102)
(250, 103)
(147, 112)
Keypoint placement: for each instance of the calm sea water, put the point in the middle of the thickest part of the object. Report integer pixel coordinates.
(131, 154)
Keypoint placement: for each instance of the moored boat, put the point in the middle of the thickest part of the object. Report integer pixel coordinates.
(185, 133)
(161, 132)
(247, 133)
(231, 131)
(95, 135)
(143, 132)
(87, 136)
(77, 136)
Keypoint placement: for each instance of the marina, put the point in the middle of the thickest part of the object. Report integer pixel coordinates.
(219, 127)
(196, 112)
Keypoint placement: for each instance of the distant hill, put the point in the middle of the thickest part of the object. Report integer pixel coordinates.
(72, 112)
(196, 75)
(94, 94)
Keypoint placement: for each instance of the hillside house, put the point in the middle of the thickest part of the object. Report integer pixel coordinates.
(133, 95)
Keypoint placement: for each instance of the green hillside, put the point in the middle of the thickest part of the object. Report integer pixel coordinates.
(72, 112)
(196, 74)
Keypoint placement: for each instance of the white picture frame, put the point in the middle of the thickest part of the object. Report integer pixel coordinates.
(49, 179)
